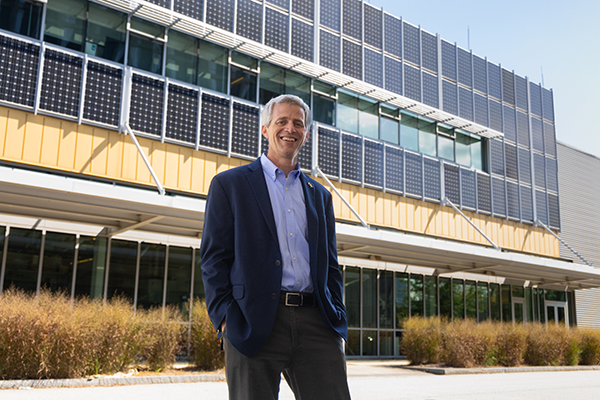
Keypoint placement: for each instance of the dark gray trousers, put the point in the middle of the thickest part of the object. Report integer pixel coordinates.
(302, 347)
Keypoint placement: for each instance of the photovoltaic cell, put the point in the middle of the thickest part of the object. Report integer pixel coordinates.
(479, 74)
(537, 134)
(508, 87)
(549, 139)
(353, 18)
(554, 211)
(304, 7)
(394, 169)
(452, 183)
(330, 14)
(497, 156)
(512, 195)
(430, 51)
(162, 3)
(521, 93)
(512, 166)
(484, 198)
(481, 110)
(449, 60)
(182, 113)
(220, 13)
(285, 4)
(103, 93)
(146, 107)
(496, 118)
(430, 90)
(510, 124)
(191, 8)
(18, 71)
(393, 75)
(414, 174)
(535, 96)
(302, 40)
(352, 157)
(450, 97)
(329, 55)
(352, 60)
(465, 72)
(61, 83)
(393, 35)
(548, 105)
(499, 197)
(524, 165)
(465, 98)
(372, 26)
(244, 135)
(373, 162)
(526, 203)
(214, 122)
(276, 30)
(468, 188)
(431, 169)
(522, 129)
(552, 174)
(539, 169)
(412, 82)
(305, 155)
(541, 206)
(494, 81)
(329, 152)
(373, 68)
(412, 46)
(249, 20)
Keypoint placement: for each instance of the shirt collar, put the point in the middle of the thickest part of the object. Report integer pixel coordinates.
(271, 169)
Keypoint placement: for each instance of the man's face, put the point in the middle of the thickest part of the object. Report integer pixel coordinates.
(286, 133)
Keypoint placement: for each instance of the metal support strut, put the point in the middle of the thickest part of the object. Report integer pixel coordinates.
(540, 223)
(445, 201)
(128, 130)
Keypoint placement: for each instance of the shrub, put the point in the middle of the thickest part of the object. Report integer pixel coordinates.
(589, 343)
(468, 344)
(549, 345)
(510, 345)
(422, 340)
(162, 337)
(205, 346)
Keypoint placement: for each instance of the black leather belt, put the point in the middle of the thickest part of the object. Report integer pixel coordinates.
(297, 299)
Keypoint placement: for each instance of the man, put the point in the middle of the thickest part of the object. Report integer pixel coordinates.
(270, 271)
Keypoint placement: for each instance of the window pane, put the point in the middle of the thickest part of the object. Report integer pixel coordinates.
(445, 298)
(471, 299)
(518, 291)
(369, 343)
(495, 301)
(482, 301)
(212, 67)
(446, 148)
(91, 262)
(298, 85)
(458, 293)
(22, 259)
(427, 136)
(182, 57)
(2, 236)
(368, 119)
(386, 343)
(401, 299)
(506, 304)
(145, 54)
(553, 295)
(409, 133)
(389, 130)
(65, 23)
(369, 280)
(386, 297)
(244, 60)
(477, 154)
(353, 344)
(430, 296)
(272, 82)
(324, 88)
(323, 109)
(121, 274)
(198, 283)
(106, 33)
(352, 291)
(152, 275)
(179, 277)
(529, 303)
(463, 150)
(416, 295)
(243, 84)
(57, 265)
(347, 113)
(22, 17)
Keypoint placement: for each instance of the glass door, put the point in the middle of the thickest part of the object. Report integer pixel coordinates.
(556, 312)
(518, 310)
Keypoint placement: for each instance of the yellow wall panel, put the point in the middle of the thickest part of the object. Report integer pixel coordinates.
(142, 173)
(184, 178)
(3, 123)
(129, 160)
(52, 140)
(32, 137)
(172, 166)
(99, 157)
(157, 157)
(68, 147)
(15, 137)
(83, 150)
(115, 152)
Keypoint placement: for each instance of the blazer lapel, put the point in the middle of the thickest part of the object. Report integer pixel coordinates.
(312, 221)
(257, 182)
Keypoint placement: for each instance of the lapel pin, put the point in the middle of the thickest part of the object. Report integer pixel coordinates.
(309, 184)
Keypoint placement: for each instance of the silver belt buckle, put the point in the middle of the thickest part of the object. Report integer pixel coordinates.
(287, 297)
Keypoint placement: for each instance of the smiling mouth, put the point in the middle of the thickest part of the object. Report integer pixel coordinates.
(288, 139)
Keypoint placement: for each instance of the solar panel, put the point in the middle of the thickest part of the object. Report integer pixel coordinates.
(103, 93)
(521, 93)
(249, 20)
(526, 203)
(146, 107)
(468, 188)
(479, 74)
(393, 75)
(494, 81)
(412, 44)
(352, 157)
(508, 87)
(353, 18)
(430, 90)
(452, 183)
(497, 156)
(302, 40)
(548, 105)
(214, 122)
(512, 195)
(182, 114)
(285, 4)
(373, 162)
(305, 155)
(373, 23)
(220, 13)
(541, 206)
(412, 82)
(61, 83)
(499, 197)
(373, 68)
(510, 124)
(484, 199)
(304, 8)
(393, 35)
(276, 30)
(394, 169)
(329, 50)
(553, 211)
(329, 152)
(549, 139)
(431, 170)
(465, 99)
(352, 59)
(414, 174)
(552, 174)
(524, 165)
(539, 168)
(450, 97)
(191, 8)
(481, 110)
(511, 161)
(465, 71)
(244, 135)
(330, 14)
(18, 71)
(449, 60)
(522, 129)
(535, 96)
(537, 134)
(496, 118)
(430, 51)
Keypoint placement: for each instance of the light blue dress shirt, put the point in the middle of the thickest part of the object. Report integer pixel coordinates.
(289, 210)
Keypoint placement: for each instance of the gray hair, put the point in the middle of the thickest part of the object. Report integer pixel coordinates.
(286, 99)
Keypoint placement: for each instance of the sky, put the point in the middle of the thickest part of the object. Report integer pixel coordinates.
(554, 43)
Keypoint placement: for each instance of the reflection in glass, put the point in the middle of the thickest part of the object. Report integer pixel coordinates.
(21, 16)
(458, 297)
(352, 293)
(550, 313)
(556, 295)
(368, 119)
(272, 82)
(121, 274)
(91, 262)
(386, 343)
(427, 138)
(347, 113)
(463, 149)
(182, 57)
(446, 148)
(471, 299)
(57, 265)
(152, 275)
(506, 304)
(561, 314)
(179, 277)
(416, 295)
(369, 283)
(409, 132)
(353, 343)
(386, 299)
(22, 259)
(323, 109)
(518, 312)
(495, 305)
(482, 301)
(389, 130)
(145, 54)
(401, 298)
(529, 303)
(198, 283)
(445, 298)
(430, 296)
(212, 67)
(243, 84)
(369, 343)
(298, 85)
(518, 291)
(65, 23)
(106, 31)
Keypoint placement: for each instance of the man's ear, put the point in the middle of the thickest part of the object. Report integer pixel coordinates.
(307, 135)
(263, 130)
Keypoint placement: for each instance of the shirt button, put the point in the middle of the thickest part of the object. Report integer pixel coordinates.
(286, 188)
(289, 210)
(277, 263)
(274, 296)
(294, 258)
(291, 234)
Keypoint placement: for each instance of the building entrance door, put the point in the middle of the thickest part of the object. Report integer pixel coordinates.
(556, 312)
(518, 309)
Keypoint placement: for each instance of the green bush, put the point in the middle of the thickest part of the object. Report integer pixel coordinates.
(589, 343)
(205, 346)
(422, 340)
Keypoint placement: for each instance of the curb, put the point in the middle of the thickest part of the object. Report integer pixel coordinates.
(498, 370)
(108, 381)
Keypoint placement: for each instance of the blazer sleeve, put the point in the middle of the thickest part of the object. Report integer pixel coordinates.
(334, 276)
(217, 252)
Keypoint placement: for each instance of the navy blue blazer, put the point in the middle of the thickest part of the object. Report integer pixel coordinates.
(241, 260)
